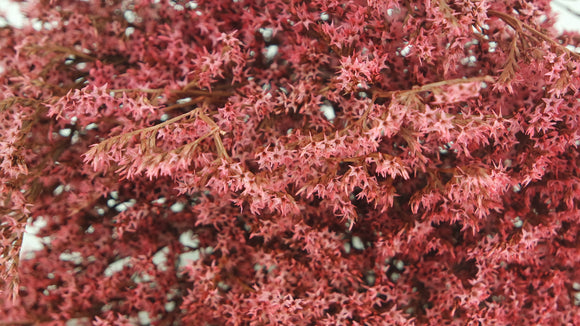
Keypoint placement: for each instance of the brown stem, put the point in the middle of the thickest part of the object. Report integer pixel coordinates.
(417, 89)
(519, 26)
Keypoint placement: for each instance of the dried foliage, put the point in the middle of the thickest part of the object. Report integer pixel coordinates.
(290, 163)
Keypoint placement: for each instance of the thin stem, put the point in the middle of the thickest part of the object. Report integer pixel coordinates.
(519, 26)
(427, 87)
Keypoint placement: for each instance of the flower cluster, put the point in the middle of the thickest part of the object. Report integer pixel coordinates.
(218, 162)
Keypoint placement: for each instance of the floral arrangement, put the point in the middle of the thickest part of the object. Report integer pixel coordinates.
(290, 162)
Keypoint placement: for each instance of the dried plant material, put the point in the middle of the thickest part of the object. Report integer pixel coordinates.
(289, 163)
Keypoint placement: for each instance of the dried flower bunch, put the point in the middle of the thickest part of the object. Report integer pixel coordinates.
(290, 162)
